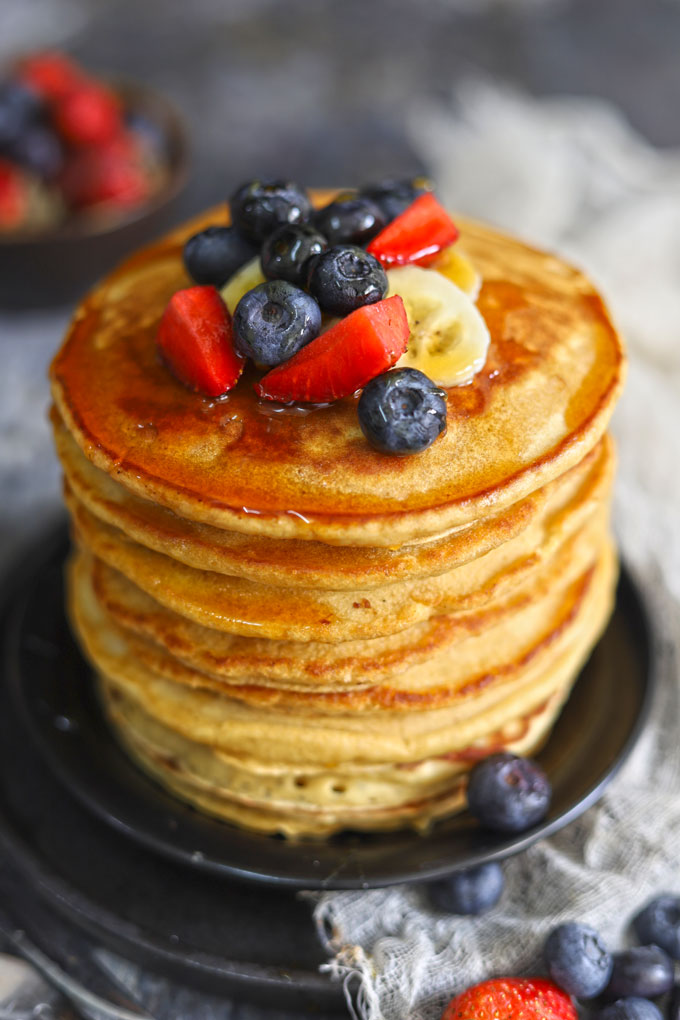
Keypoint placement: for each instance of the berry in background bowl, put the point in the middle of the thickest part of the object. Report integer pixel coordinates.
(88, 171)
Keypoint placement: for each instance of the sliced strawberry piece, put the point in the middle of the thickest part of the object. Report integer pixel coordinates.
(111, 173)
(196, 339)
(344, 358)
(416, 235)
(52, 75)
(512, 999)
(89, 115)
(13, 197)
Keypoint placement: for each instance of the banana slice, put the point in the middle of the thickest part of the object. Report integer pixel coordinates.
(449, 338)
(458, 268)
(244, 279)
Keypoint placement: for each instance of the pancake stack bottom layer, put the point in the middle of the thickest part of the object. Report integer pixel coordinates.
(298, 634)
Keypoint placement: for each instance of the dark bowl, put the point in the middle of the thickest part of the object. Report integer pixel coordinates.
(56, 268)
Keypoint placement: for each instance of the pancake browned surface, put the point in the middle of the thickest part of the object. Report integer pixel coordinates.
(298, 634)
(542, 400)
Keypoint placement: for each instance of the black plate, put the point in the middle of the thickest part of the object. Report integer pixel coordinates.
(59, 865)
(52, 687)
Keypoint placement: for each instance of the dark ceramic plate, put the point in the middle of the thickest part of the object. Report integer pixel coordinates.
(42, 270)
(65, 874)
(52, 689)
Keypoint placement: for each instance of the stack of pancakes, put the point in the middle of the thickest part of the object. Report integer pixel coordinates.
(298, 634)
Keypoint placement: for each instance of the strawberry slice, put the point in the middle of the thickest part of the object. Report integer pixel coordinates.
(512, 999)
(89, 115)
(13, 197)
(51, 74)
(416, 235)
(111, 173)
(344, 358)
(196, 340)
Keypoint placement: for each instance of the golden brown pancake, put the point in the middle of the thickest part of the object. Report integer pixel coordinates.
(541, 402)
(294, 563)
(417, 795)
(245, 607)
(212, 658)
(402, 726)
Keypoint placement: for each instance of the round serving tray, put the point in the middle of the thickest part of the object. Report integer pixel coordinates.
(50, 685)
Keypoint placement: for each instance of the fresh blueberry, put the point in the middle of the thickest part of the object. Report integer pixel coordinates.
(578, 960)
(345, 278)
(393, 196)
(659, 922)
(631, 1008)
(39, 149)
(259, 207)
(149, 131)
(350, 219)
(273, 321)
(468, 892)
(20, 107)
(644, 971)
(402, 411)
(286, 253)
(508, 793)
(214, 254)
(674, 1005)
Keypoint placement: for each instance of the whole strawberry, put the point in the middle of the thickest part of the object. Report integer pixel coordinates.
(512, 999)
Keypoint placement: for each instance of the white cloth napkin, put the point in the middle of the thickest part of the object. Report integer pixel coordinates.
(571, 175)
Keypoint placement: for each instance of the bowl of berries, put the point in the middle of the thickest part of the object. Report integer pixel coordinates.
(89, 169)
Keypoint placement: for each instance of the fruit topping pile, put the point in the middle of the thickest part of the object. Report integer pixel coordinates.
(328, 301)
(69, 148)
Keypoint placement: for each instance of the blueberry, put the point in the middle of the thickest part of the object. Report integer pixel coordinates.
(214, 254)
(631, 1008)
(259, 207)
(508, 793)
(20, 107)
(286, 253)
(659, 922)
(345, 278)
(468, 892)
(273, 321)
(39, 149)
(402, 411)
(393, 196)
(350, 219)
(578, 960)
(644, 970)
(150, 132)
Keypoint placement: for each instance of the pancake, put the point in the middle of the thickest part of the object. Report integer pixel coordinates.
(294, 563)
(282, 803)
(420, 724)
(543, 400)
(240, 606)
(211, 661)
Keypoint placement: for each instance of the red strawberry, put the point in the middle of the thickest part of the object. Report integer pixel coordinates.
(13, 197)
(88, 115)
(344, 358)
(52, 75)
(111, 173)
(416, 235)
(512, 999)
(196, 339)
